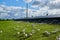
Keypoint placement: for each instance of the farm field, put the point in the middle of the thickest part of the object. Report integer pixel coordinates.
(9, 30)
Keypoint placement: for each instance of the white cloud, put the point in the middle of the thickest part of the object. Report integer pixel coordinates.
(35, 6)
(1, 9)
(16, 14)
(44, 8)
(55, 4)
(38, 0)
(12, 11)
(4, 15)
(51, 7)
(54, 11)
(27, 1)
(40, 3)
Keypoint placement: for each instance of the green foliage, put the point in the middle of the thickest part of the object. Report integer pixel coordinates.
(10, 28)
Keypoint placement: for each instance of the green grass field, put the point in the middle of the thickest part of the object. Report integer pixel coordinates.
(10, 28)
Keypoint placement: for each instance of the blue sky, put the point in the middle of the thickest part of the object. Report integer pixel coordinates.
(13, 3)
(20, 3)
(17, 8)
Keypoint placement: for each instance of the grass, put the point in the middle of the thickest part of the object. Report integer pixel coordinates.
(10, 28)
